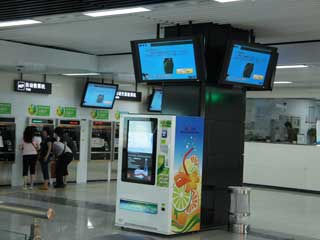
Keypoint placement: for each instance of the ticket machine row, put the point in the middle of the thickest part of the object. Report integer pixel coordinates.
(103, 143)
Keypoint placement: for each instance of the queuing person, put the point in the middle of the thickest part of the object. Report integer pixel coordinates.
(64, 157)
(30, 148)
(46, 155)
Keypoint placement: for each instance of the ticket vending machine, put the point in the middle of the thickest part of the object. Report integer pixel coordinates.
(72, 131)
(40, 123)
(7, 139)
(160, 171)
(103, 149)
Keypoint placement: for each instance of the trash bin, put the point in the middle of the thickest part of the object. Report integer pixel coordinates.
(239, 211)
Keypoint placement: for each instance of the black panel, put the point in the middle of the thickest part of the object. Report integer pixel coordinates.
(23, 9)
(181, 100)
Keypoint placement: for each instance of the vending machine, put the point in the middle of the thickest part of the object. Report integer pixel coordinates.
(7, 139)
(159, 173)
(72, 131)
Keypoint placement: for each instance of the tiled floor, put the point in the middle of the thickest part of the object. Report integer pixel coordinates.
(87, 212)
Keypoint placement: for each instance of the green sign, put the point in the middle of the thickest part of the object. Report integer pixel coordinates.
(5, 108)
(100, 114)
(162, 172)
(39, 110)
(165, 123)
(66, 112)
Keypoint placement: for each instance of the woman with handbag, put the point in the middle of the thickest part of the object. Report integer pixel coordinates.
(30, 148)
(64, 157)
(45, 156)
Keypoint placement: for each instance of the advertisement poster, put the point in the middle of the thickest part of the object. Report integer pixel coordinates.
(39, 110)
(100, 114)
(66, 112)
(162, 172)
(186, 201)
(5, 108)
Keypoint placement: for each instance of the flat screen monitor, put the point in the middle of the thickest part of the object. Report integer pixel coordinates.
(169, 60)
(140, 158)
(249, 65)
(98, 95)
(156, 101)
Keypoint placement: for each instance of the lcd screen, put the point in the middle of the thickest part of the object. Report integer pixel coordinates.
(168, 60)
(248, 65)
(156, 101)
(141, 150)
(99, 95)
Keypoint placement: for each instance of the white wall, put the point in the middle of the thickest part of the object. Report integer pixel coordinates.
(283, 165)
(66, 92)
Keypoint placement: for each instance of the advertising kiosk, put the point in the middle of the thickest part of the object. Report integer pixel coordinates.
(160, 172)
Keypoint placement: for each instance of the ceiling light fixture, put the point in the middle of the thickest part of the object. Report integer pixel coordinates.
(292, 66)
(18, 23)
(81, 74)
(226, 1)
(282, 82)
(104, 13)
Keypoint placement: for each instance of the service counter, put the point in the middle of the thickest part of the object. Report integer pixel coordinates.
(282, 165)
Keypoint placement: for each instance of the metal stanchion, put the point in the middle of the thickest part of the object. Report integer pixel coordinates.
(36, 213)
(239, 209)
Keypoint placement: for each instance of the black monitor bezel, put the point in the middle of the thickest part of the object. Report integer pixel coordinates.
(97, 107)
(124, 172)
(198, 44)
(151, 100)
(269, 79)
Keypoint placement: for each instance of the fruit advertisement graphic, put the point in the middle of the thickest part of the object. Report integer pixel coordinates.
(186, 201)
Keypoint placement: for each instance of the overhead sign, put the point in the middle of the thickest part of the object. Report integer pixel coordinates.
(129, 96)
(32, 87)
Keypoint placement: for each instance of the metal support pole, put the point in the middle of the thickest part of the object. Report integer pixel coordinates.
(158, 30)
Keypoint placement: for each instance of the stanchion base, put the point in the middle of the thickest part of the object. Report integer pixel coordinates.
(239, 228)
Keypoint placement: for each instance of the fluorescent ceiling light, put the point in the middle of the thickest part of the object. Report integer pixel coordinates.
(104, 13)
(282, 82)
(19, 23)
(292, 66)
(226, 1)
(81, 74)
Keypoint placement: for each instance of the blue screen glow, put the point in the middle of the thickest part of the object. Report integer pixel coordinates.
(248, 65)
(171, 60)
(156, 101)
(99, 95)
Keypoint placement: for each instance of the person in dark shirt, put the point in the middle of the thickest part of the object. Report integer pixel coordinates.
(292, 135)
(46, 155)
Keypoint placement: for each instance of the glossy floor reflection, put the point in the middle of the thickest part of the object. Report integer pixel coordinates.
(87, 212)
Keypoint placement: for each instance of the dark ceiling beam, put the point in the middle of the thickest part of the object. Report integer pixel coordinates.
(23, 9)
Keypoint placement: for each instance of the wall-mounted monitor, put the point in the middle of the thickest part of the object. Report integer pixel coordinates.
(98, 95)
(249, 65)
(169, 60)
(140, 156)
(156, 100)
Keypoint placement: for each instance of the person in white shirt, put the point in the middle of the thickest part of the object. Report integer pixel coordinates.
(29, 148)
(63, 155)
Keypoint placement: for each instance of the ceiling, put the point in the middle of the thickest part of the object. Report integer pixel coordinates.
(273, 21)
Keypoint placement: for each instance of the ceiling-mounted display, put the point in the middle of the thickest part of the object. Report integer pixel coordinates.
(32, 87)
(169, 60)
(98, 95)
(249, 65)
